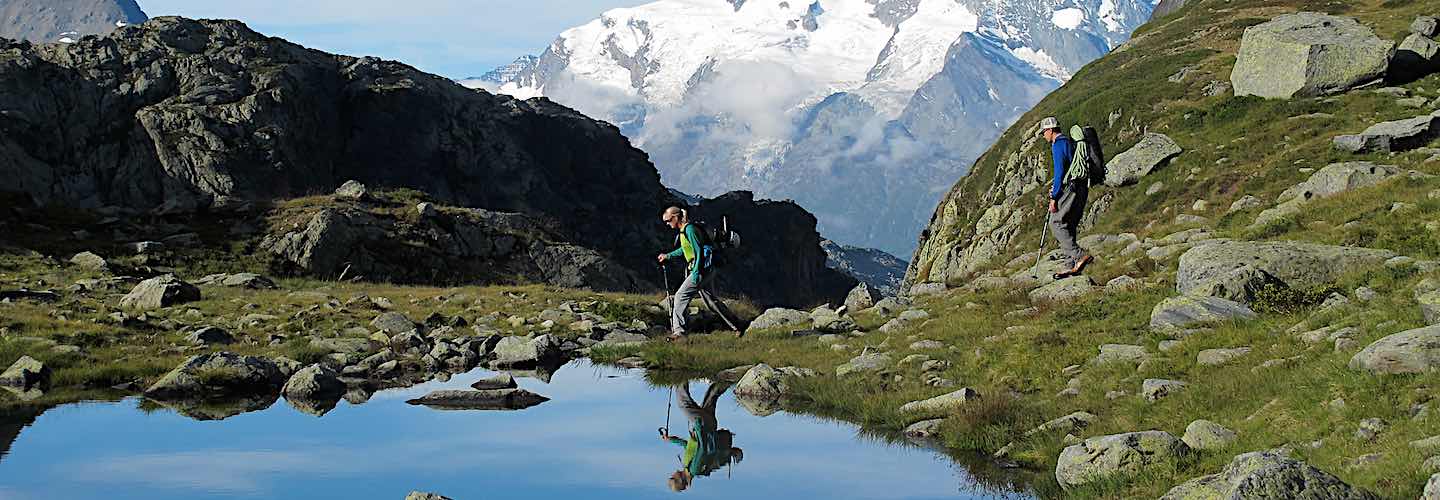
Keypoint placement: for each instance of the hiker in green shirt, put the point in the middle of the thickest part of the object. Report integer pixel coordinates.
(691, 249)
(707, 446)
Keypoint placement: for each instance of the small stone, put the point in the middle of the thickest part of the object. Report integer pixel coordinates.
(1370, 428)
(1155, 389)
(352, 190)
(1154, 188)
(1207, 435)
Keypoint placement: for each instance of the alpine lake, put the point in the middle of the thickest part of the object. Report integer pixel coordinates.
(598, 437)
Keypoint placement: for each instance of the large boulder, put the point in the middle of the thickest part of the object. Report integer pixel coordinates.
(393, 323)
(761, 381)
(1189, 310)
(1243, 284)
(26, 374)
(1392, 136)
(1331, 180)
(1130, 166)
(1308, 54)
(1430, 307)
(1298, 265)
(778, 317)
(1411, 351)
(160, 292)
(218, 375)
(519, 352)
(1063, 290)
(1266, 475)
(864, 363)
(90, 261)
(1102, 457)
(862, 297)
(314, 382)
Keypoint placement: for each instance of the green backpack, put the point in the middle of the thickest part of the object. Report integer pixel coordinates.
(1088, 163)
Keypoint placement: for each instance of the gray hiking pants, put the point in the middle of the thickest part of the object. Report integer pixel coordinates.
(688, 290)
(703, 412)
(1065, 221)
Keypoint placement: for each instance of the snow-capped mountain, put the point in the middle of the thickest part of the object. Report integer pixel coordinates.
(864, 111)
(64, 21)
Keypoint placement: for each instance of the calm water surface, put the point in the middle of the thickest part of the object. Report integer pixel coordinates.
(596, 439)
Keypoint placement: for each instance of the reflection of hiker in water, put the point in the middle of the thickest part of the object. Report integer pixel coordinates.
(707, 447)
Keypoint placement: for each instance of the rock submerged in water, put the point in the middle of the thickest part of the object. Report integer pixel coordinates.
(1103, 457)
(218, 375)
(498, 399)
(1308, 54)
(314, 382)
(1267, 475)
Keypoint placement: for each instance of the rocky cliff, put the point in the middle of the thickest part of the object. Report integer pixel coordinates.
(50, 21)
(183, 115)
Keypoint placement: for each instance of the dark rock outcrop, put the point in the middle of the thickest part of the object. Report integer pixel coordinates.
(777, 235)
(178, 115)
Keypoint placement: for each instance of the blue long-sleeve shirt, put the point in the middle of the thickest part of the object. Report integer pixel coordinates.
(1063, 151)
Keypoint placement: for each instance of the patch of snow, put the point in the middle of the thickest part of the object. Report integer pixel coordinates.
(1043, 63)
(993, 95)
(66, 39)
(1113, 19)
(1068, 19)
(121, 24)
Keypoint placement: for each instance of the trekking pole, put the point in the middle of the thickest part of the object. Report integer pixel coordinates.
(1041, 252)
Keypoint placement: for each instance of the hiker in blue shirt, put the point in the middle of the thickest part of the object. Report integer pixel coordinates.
(1067, 198)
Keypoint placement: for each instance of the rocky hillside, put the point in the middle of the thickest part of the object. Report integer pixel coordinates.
(177, 116)
(65, 21)
(1177, 134)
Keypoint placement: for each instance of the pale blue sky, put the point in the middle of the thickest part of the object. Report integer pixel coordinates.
(454, 38)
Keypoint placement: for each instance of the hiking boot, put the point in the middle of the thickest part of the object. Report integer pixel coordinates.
(1080, 266)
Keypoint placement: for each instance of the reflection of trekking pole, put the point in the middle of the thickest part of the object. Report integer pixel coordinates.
(1041, 252)
(668, 401)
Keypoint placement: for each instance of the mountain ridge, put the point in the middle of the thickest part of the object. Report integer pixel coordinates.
(692, 98)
